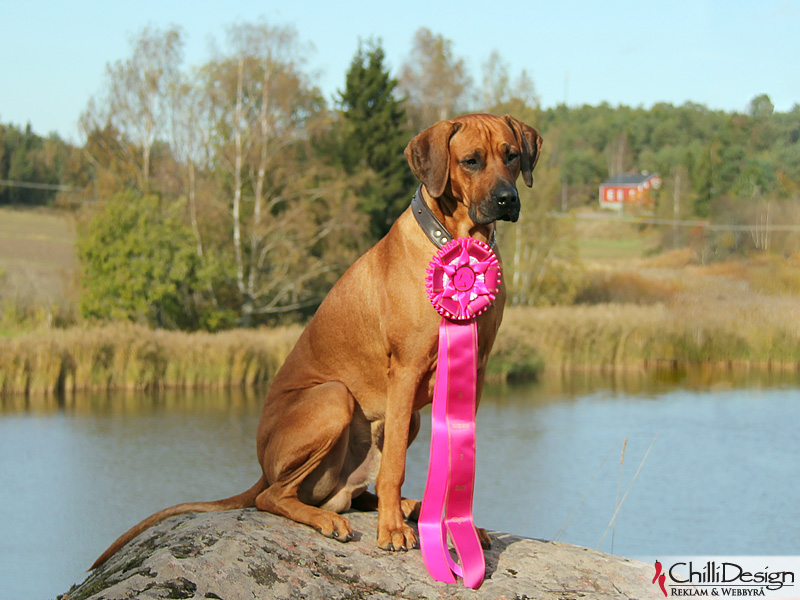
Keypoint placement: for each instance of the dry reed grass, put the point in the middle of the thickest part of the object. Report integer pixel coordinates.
(671, 259)
(731, 330)
(736, 334)
(127, 356)
(625, 287)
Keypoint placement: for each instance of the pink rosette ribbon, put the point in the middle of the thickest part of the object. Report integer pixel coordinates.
(462, 281)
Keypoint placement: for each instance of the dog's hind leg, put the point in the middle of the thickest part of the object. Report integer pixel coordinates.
(303, 453)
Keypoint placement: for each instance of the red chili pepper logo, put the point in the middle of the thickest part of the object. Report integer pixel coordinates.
(660, 577)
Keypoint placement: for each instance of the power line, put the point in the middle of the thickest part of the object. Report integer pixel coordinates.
(39, 186)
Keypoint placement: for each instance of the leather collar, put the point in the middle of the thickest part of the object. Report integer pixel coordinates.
(433, 228)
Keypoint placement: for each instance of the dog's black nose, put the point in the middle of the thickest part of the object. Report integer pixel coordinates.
(505, 196)
(506, 203)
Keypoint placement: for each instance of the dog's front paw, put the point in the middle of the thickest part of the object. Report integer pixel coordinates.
(334, 526)
(395, 539)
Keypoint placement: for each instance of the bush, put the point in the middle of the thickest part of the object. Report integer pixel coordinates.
(139, 264)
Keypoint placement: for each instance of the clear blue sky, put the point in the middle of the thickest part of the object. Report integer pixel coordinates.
(718, 53)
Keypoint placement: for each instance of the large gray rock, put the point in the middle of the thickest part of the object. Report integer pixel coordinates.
(250, 554)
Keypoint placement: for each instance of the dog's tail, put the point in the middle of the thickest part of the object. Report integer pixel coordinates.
(243, 500)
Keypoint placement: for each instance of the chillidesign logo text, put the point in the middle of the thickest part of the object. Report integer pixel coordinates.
(723, 578)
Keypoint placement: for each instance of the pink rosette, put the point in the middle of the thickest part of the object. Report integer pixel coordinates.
(463, 279)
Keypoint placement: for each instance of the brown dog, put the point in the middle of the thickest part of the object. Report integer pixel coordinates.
(343, 408)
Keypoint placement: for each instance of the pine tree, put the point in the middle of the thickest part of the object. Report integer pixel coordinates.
(375, 138)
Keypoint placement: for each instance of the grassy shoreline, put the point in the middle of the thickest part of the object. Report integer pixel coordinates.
(614, 336)
(123, 356)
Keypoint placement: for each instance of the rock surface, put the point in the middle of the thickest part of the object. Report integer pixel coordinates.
(250, 554)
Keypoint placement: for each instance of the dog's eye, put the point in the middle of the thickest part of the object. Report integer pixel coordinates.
(512, 156)
(471, 163)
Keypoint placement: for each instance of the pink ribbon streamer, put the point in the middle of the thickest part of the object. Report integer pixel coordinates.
(447, 503)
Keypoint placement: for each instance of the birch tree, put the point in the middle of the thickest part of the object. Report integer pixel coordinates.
(435, 81)
(191, 133)
(541, 265)
(282, 207)
(136, 97)
(499, 93)
(540, 261)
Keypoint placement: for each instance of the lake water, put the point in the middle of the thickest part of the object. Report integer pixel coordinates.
(710, 467)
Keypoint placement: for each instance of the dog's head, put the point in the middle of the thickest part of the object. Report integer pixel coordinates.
(476, 159)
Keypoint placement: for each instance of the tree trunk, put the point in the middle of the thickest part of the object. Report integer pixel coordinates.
(193, 207)
(237, 182)
(260, 179)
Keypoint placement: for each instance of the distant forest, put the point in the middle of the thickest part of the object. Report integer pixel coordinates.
(719, 157)
(273, 189)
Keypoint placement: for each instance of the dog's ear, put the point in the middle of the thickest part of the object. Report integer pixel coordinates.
(428, 155)
(531, 143)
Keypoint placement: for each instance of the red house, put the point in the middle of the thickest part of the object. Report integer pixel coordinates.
(629, 189)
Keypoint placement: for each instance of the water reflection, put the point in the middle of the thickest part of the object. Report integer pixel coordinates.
(136, 402)
(556, 386)
(553, 386)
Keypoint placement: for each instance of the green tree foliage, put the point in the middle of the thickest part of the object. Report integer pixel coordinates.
(266, 194)
(728, 159)
(139, 264)
(27, 159)
(285, 208)
(375, 136)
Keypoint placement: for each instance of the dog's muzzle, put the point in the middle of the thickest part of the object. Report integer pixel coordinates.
(506, 199)
(502, 205)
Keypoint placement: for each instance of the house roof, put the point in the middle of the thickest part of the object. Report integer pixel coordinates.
(628, 179)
